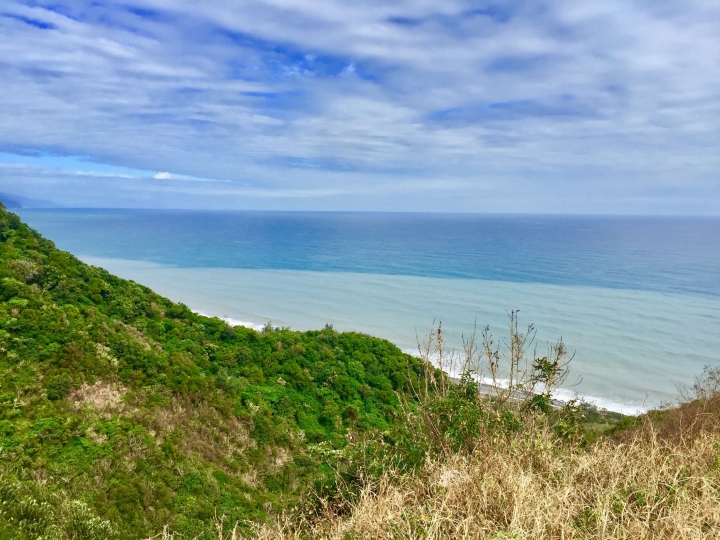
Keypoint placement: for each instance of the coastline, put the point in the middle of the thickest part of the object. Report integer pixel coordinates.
(627, 359)
(561, 396)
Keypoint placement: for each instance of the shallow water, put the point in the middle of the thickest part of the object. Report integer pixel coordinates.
(637, 299)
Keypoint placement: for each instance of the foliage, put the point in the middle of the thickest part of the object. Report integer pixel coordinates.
(29, 510)
(444, 417)
(120, 409)
(656, 476)
(532, 488)
(123, 414)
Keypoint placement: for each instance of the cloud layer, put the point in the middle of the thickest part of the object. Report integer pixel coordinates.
(563, 106)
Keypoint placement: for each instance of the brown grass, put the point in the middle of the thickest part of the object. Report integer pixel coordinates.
(657, 480)
(104, 396)
(526, 489)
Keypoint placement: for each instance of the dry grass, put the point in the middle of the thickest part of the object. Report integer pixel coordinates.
(659, 480)
(104, 396)
(531, 489)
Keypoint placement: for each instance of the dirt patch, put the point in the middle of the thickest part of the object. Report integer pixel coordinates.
(104, 396)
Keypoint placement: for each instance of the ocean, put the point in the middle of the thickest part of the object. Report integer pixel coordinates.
(637, 299)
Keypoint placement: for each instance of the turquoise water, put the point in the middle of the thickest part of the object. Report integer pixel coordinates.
(637, 299)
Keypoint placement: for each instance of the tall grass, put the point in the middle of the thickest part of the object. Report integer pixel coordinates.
(533, 489)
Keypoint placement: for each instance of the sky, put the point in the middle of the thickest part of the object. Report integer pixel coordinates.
(564, 106)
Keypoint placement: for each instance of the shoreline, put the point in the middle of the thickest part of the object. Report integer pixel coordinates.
(560, 397)
(626, 359)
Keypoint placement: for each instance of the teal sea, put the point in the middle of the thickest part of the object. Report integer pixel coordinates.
(636, 298)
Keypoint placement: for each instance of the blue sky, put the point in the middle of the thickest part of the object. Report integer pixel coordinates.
(568, 106)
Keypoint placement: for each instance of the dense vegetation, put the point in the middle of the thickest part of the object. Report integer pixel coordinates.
(122, 412)
(125, 415)
(466, 466)
(658, 478)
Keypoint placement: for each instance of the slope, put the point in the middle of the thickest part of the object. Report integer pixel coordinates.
(121, 411)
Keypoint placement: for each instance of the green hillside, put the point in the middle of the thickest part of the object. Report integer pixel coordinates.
(121, 411)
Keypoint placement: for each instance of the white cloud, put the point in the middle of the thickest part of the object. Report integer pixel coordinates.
(607, 100)
(183, 177)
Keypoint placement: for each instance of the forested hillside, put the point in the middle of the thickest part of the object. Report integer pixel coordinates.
(125, 415)
(122, 412)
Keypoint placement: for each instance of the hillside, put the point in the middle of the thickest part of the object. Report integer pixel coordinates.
(125, 415)
(463, 467)
(122, 412)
